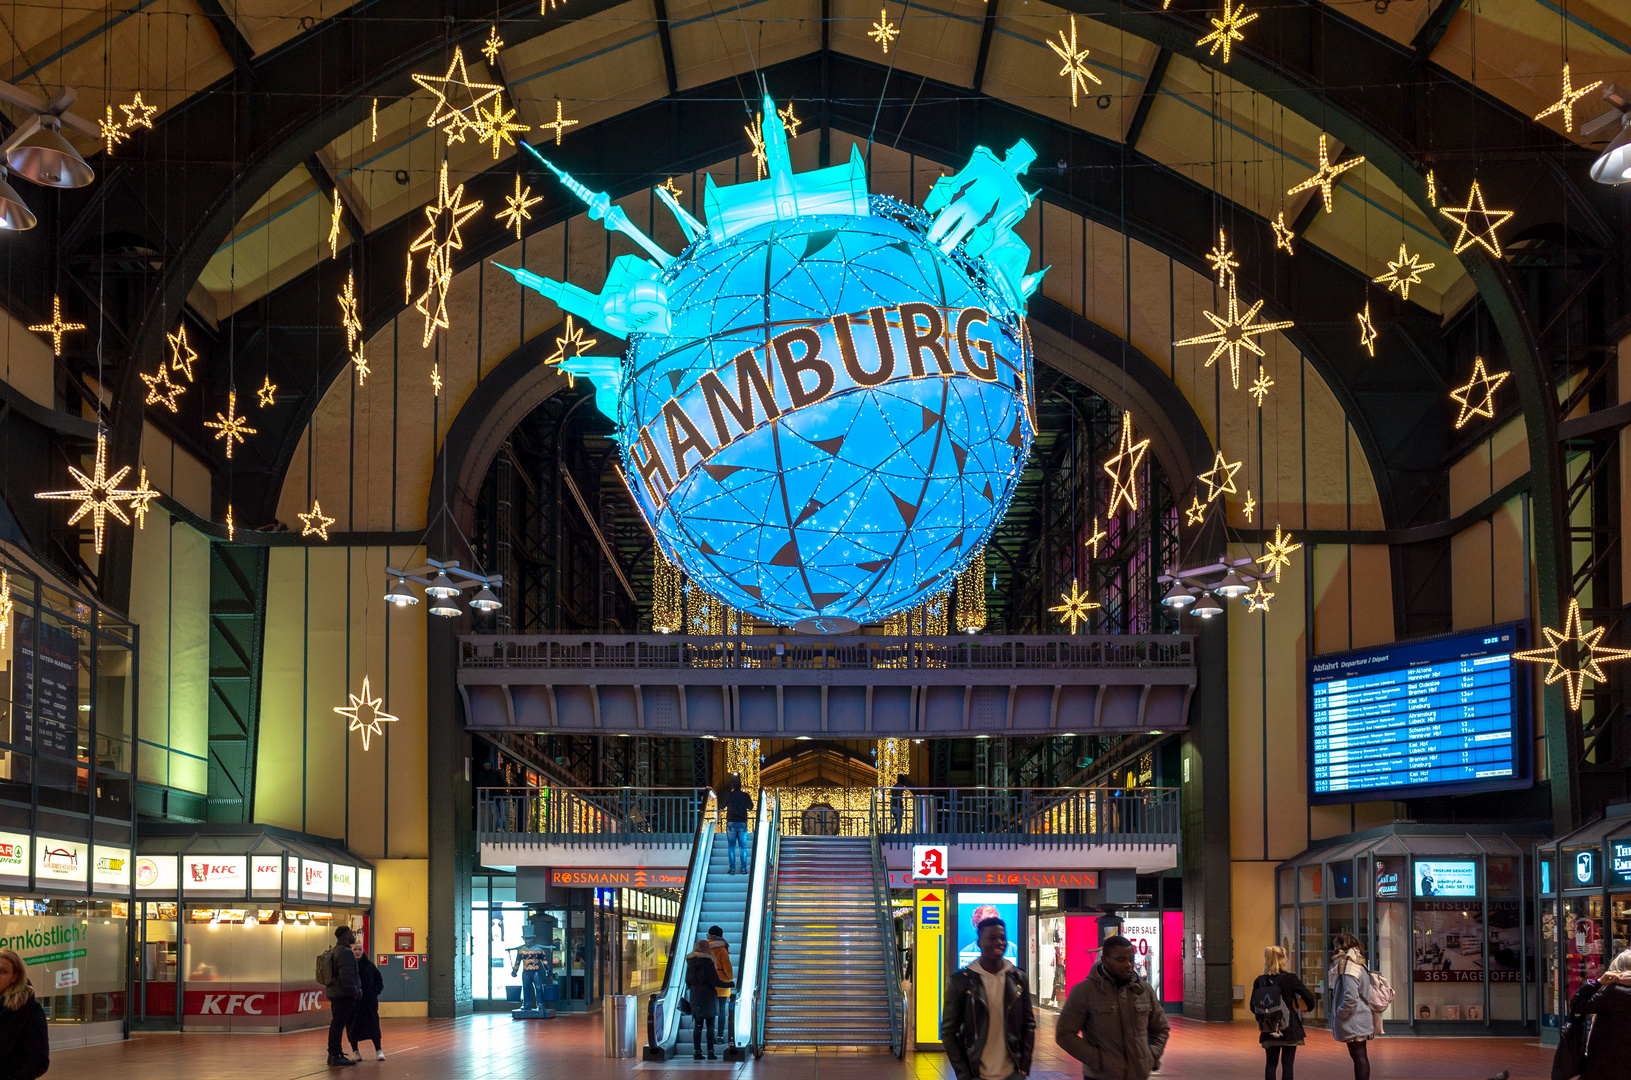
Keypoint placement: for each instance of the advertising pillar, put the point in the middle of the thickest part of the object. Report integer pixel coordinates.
(928, 967)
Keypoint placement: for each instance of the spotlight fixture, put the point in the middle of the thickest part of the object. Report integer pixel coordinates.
(1178, 596)
(1232, 587)
(1206, 607)
(37, 152)
(443, 588)
(48, 159)
(14, 213)
(1613, 165)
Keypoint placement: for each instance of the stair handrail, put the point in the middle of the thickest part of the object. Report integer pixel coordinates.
(750, 980)
(773, 834)
(685, 935)
(891, 957)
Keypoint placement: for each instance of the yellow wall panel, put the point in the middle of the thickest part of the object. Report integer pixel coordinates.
(170, 601)
(1251, 895)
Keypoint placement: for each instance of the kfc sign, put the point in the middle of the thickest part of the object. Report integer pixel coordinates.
(313, 880)
(213, 873)
(264, 874)
(271, 1003)
(930, 862)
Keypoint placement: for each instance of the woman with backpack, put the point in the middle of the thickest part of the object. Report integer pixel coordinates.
(1353, 1020)
(1278, 1001)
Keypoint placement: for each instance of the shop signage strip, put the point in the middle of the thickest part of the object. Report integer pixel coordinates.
(1028, 879)
(625, 877)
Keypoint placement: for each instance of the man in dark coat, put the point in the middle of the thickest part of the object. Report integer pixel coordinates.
(343, 993)
(988, 1026)
(364, 1026)
(1112, 1021)
(1608, 998)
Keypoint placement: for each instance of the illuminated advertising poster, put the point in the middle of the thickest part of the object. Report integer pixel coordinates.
(365, 883)
(1052, 966)
(343, 882)
(975, 907)
(60, 863)
(14, 853)
(214, 874)
(156, 875)
(1448, 942)
(1390, 877)
(1446, 877)
(265, 875)
(313, 880)
(112, 869)
(1144, 931)
(928, 976)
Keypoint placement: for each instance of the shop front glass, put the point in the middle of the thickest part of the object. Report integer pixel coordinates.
(1052, 977)
(500, 925)
(1582, 942)
(1312, 951)
(250, 968)
(75, 953)
(645, 954)
(159, 961)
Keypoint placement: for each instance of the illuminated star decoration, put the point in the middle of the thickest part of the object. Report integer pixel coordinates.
(138, 113)
(559, 124)
(1075, 605)
(1326, 174)
(267, 393)
(1125, 490)
(1075, 69)
(6, 606)
(1260, 386)
(570, 347)
(440, 239)
(1432, 188)
(445, 111)
(1404, 272)
(56, 327)
(494, 44)
(1222, 260)
(1277, 552)
(1195, 512)
(229, 425)
(365, 714)
(98, 494)
(1226, 31)
(1282, 233)
(1094, 540)
(1367, 330)
(112, 131)
(518, 207)
(497, 126)
(436, 379)
(334, 225)
(160, 390)
(1484, 236)
(314, 521)
(140, 496)
(1565, 104)
(232, 530)
(1258, 599)
(756, 137)
(1485, 385)
(1582, 661)
(348, 311)
(1220, 478)
(1249, 507)
(883, 31)
(789, 121)
(672, 188)
(181, 354)
(1234, 333)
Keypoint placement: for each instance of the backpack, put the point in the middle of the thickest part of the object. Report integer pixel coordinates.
(1377, 992)
(325, 973)
(1270, 1008)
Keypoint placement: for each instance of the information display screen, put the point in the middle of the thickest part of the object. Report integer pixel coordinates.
(1426, 717)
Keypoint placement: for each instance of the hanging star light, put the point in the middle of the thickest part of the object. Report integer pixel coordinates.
(373, 129)
(267, 393)
(1258, 599)
(113, 133)
(1403, 272)
(518, 207)
(349, 318)
(314, 520)
(138, 113)
(1075, 71)
(571, 346)
(335, 207)
(1565, 104)
(883, 31)
(1195, 512)
(7, 606)
(1075, 605)
(1226, 31)
(1282, 233)
(756, 137)
(445, 217)
(1125, 490)
(559, 124)
(56, 327)
(436, 380)
(1222, 260)
(98, 494)
(1096, 538)
(494, 44)
(497, 126)
(1249, 507)
(445, 86)
(1432, 189)
(1326, 174)
(232, 530)
(789, 121)
(1367, 330)
(1220, 478)
(1260, 386)
(140, 496)
(672, 188)
(365, 714)
(160, 390)
(1582, 660)
(1234, 333)
(359, 360)
(1485, 385)
(1277, 552)
(229, 425)
(181, 353)
(1484, 236)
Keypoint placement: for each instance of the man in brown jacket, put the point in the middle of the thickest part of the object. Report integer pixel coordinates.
(1112, 1021)
(722, 963)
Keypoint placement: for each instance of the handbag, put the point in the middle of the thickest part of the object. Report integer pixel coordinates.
(685, 1005)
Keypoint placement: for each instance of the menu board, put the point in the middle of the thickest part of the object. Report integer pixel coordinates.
(54, 711)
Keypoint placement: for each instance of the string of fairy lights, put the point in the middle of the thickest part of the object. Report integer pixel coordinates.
(464, 106)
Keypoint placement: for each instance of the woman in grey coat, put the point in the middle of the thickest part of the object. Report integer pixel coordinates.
(1352, 1020)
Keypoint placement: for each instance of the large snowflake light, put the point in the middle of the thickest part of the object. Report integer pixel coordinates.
(826, 398)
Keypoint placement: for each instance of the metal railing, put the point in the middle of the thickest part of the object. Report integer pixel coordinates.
(771, 832)
(591, 817)
(850, 653)
(891, 957)
(1027, 817)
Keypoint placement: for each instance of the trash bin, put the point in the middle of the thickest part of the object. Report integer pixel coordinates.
(621, 1015)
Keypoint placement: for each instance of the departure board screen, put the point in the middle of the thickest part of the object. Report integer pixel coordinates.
(1438, 716)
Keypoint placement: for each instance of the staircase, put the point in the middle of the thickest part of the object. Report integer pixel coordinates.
(827, 982)
(724, 902)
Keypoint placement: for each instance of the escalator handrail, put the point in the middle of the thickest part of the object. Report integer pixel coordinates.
(750, 979)
(773, 832)
(685, 929)
(891, 958)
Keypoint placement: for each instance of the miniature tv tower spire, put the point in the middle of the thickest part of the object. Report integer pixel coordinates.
(601, 208)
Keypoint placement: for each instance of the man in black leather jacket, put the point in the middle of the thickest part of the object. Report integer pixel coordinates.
(982, 1044)
(342, 993)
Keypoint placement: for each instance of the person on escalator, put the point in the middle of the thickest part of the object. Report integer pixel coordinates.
(702, 986)
(737, 806)
(722, 963)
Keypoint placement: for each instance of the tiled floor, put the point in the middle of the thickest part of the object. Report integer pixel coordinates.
(492, 1047)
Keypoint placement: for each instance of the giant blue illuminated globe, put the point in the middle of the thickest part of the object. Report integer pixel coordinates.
(826, 400)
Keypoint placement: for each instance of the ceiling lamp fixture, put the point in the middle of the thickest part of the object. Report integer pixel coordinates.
(443, 588)
(1178, 597)
(1207, 607)
(1613, 165)
(1198, 588)
(38, 153)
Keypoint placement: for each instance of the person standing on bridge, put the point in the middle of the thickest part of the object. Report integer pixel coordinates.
(988, 1027)
(25, 1041)
(737, 806)
(342, 990)
(1112, 1020)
